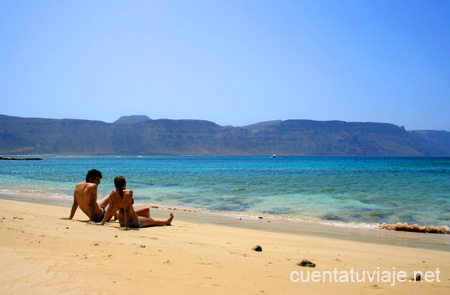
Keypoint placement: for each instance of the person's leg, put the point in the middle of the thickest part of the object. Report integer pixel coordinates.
(145, 221)
(144, 212)
(104, 202)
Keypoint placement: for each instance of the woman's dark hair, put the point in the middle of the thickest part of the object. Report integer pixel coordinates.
(93, 174)
(119, 182)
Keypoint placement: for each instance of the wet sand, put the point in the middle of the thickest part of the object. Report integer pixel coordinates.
(341, 231)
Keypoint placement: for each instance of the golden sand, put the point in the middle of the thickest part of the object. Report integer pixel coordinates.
(41, 254)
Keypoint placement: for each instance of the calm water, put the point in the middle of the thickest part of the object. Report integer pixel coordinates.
(360, 190)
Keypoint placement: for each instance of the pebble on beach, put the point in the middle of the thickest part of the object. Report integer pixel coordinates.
(257, 248)
(418, 278)
(306, 263)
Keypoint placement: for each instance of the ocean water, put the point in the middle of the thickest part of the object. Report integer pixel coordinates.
(345, 190)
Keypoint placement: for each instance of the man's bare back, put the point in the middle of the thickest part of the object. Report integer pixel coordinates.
(86, 197)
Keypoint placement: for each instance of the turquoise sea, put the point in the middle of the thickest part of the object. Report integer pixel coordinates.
(343, 190)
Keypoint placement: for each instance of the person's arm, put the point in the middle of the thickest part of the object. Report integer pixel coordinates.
(126, 216)
(74, 209)
(126, 211)
(111, 209)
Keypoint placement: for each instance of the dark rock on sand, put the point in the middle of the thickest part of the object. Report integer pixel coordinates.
(257, 248)
(307, 263)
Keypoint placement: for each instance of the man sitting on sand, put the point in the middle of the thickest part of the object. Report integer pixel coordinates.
(85, 196)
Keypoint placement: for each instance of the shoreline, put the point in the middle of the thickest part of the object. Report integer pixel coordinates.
(345, 193)
(344, 232)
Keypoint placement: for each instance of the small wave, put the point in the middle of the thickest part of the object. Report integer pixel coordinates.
(239, 190)
(33, 194)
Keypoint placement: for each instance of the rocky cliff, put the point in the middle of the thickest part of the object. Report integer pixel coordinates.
(140, 135)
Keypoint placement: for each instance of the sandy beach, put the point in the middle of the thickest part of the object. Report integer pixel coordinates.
(42, 254)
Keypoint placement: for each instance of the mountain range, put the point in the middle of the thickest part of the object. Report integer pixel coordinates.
(140, 135)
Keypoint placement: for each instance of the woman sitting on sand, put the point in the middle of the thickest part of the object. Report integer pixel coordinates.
(122, 199)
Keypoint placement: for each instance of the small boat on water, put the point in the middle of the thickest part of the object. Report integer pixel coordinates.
(274, 156)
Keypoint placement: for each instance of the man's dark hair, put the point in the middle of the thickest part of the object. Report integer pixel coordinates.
(93, 174)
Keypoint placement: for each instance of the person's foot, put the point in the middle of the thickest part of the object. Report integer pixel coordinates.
(169, 221)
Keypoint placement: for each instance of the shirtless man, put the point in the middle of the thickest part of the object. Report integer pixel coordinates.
(85, 196)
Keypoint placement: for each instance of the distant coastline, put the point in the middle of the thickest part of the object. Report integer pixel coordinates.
(20, 159)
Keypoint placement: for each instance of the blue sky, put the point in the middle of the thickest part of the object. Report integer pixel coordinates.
(230, 62)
